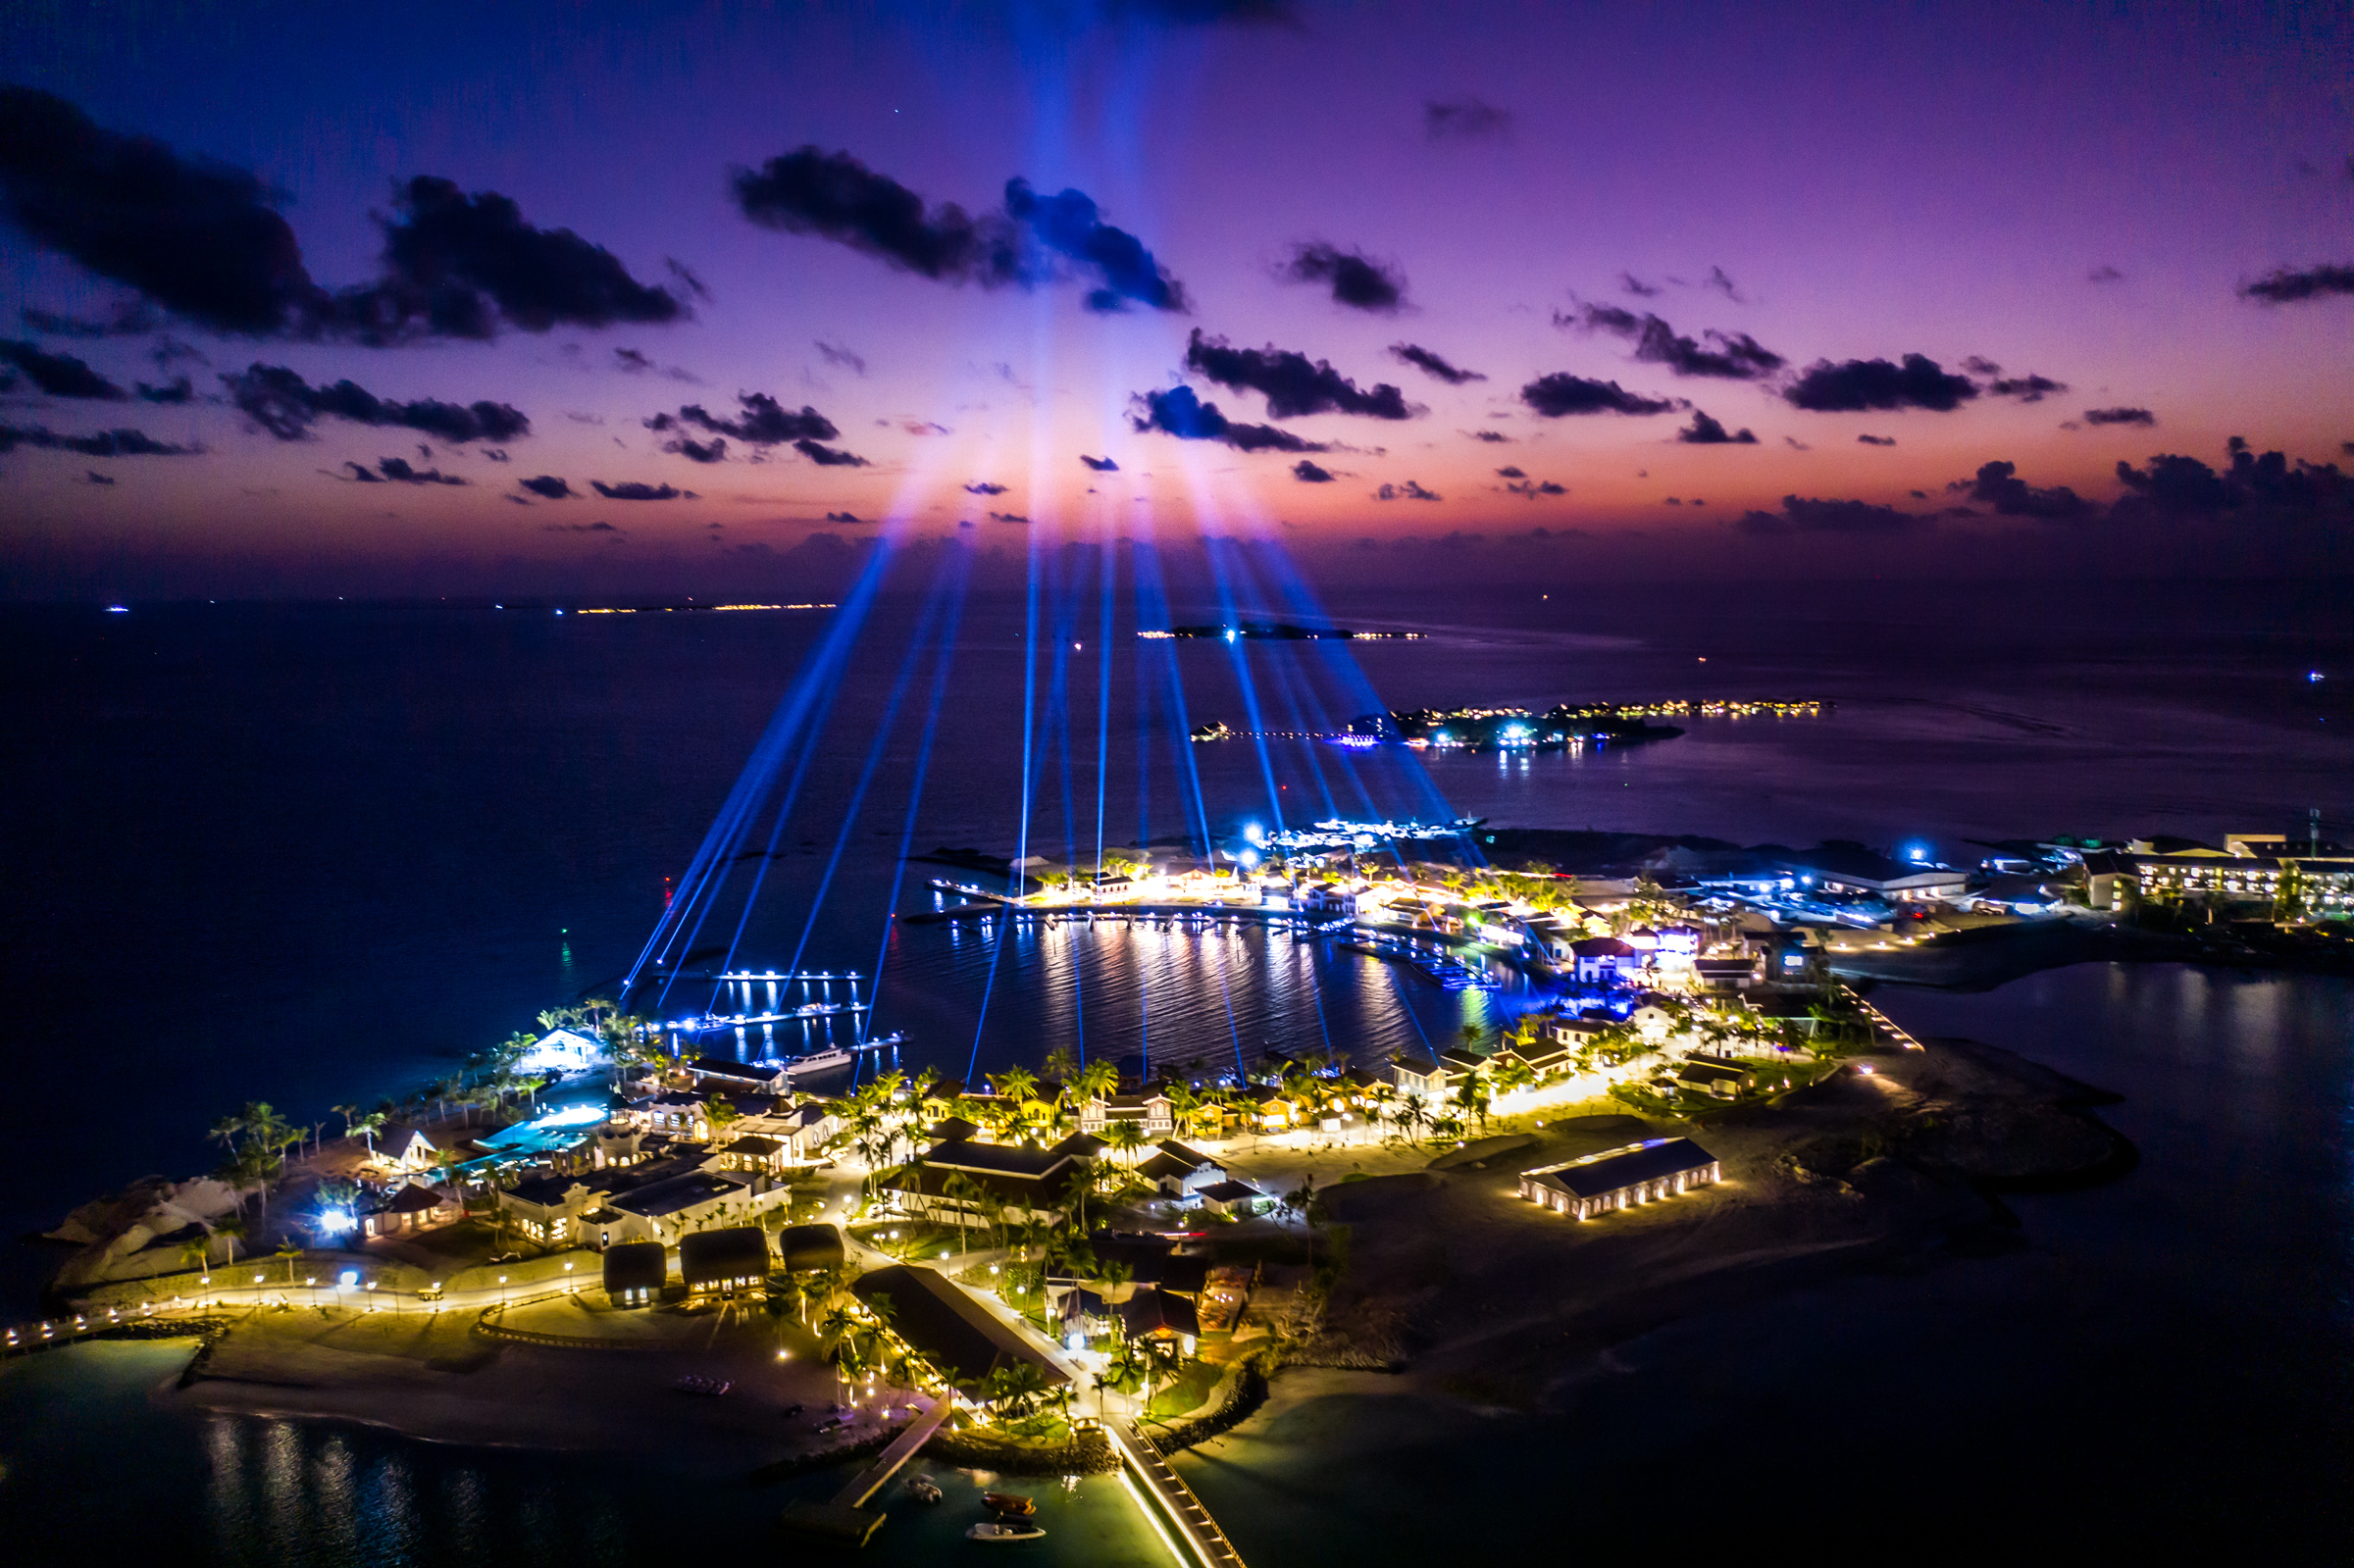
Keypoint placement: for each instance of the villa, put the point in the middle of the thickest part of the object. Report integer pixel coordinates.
(724, 1262)
(1619, 1178)
(1181, 1173)
(1601, 960)
(1239, 1198)
(636, 1273)
(1031, 1182)
(1719, 1076)
(1151, 1110)
(414, 1207)
(1151, 1313)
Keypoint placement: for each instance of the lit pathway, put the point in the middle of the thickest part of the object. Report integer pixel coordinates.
(866, 1483)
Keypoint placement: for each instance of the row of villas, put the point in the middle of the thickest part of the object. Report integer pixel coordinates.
(2114, 879)
(961, 1179)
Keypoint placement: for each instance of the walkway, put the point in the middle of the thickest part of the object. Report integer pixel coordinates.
(1195, 1527)
(866, 1483)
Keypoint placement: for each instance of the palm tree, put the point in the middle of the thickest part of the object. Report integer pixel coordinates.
(1471, 1035)
(1016, 1084)
(229, 1231)
(1126, 1135)
(1096, 1080)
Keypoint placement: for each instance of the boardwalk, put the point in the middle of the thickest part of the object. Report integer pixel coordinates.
(844, 1517)
(1204, 1542)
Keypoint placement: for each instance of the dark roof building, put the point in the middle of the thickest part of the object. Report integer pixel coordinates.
(1150, 1313)
(1619, 1178)
(710, 1260)
(949, 1327)
(805, 1247)
(636, 1272)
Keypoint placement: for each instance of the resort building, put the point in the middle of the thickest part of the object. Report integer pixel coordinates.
(636, 1273)
(1852, 869)
(805, 1248)
(1153, 1112)
(1238, 1199)
(1151, 1313)
(563, 1051)
(1604, 960)
(1620, 1178)
(723, 1263)
(948, 1328)
(668, 1209)
(954, 1182)
(1180, 1173)
(414, 1207)
(546, 1208)
(1419, 1075)
(2322, 886)
(1719, 1076)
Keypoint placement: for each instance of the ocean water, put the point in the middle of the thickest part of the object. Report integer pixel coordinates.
(314, 854)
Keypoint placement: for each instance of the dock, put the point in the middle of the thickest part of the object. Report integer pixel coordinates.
(845, 1516)
(1203, 1542)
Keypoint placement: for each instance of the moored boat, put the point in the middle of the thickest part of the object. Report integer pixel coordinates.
(1010, 1505)
(818, 1062)
(1004, 1530)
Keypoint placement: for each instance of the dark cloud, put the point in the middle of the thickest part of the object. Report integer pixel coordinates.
(1722, 285)
(1465, 118)
(179, 389)
(101, 443)
(1307, 472)
(631, 362)
(1561, 393)
(1637, 287)
(283, 404)
(842, 516)
(1800, 515)
(1293, 384)
(400, 470)
(1102, 465)
(1207, 12)
(1422, 359)
(1409, 491)
(1999, 486)
(2285, 287)
(2104, 274)
(1795, 444)
(1979, 365)
(577, 528)
(1007, 517)
(548, 487)
(991, 488)
(2185, 487)
(714, 450)
(1705, 430)
(1356, 279)
(1736, 355)
(1509, 474)
(633, 490)
(925, 428)
(835, 354)
(2121, 415)
(1532, 488)
(201, 238)
(134, 319)
(93, 477)
(459, 266)
(1179, 412)
(1861, 384)
(828, 456)
(1876, 440)
(2026, 388)
(762, 422)
(59, 374)
(1491, 437)
(1032, 239)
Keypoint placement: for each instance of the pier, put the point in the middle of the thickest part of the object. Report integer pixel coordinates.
(844, 1517)
(1204, 1543)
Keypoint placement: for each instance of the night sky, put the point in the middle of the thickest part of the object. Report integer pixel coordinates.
(691, 299)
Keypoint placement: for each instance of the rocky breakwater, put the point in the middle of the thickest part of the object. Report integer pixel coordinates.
(137, 1232)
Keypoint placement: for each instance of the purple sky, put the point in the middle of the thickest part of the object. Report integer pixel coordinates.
(2060, 194)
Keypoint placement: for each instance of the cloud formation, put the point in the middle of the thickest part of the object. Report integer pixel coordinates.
(1409, 491)
(101, 443)
(1707, 431)
(179, 389)
(1307, 472)
(1875, 440)
(400, 470)
(1800, 515)
(761, 421)
(1857, 385)
(1356, 279)
(1430, 364)
(1999, 486)
(2287, 286)
(1007, 517)
(1465, 119)
(1491, 437)
(828, 456)
(2185, 488)
(280, 402)
(2121, 415)
(548, 487)
(1179, 412)
(1735, 356)
(1532, 488)
(2104, 274)
(842, 516)
(2026, 388)
(56, 374)
(1030, 240)
(835, 354)
(635, 490)
(1561, 393)
(1293, 384)
(1102, 465)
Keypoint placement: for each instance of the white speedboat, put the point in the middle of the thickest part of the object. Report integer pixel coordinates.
(818, 1062)
(1004, 1530)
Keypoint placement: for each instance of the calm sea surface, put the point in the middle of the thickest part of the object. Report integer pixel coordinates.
(316, 854)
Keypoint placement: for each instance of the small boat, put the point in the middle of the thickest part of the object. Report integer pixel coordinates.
(1004, 1530)
(1008, 1503)
(822, 1061)
(923, 1489)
